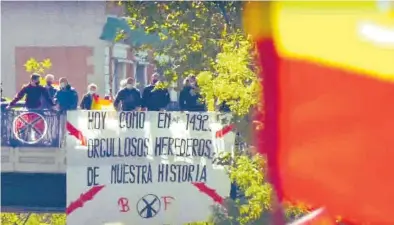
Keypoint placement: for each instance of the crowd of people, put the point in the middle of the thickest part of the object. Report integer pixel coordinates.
(128, 98)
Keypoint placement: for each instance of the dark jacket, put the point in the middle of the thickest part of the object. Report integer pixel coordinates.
(189, 100)
(33, 96)
(67, 98)
(129, 99)
(224, 107)
(51, 92)
(154, 100)
(86, 102)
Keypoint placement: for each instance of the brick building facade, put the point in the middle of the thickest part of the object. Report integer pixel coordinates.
(67, 33)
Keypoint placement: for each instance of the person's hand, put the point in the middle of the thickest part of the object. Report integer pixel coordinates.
(8, 107)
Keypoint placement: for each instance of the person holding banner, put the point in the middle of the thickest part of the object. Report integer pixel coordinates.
(129, 97)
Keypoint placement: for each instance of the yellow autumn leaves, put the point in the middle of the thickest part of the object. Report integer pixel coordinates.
(34, 66)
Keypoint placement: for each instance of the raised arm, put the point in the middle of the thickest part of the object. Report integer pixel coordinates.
(18, 96)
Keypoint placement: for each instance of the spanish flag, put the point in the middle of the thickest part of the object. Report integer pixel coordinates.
(328, 77)
(101, 104)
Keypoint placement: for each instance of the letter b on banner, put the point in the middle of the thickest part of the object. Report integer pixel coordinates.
(123, 204)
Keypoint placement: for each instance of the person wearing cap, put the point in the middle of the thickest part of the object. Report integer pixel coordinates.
(33, 92)
(128, 98)
(67, 96)
(155, 99)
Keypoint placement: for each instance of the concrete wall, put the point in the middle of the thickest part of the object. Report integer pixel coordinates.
(33, 160)
(67, 32)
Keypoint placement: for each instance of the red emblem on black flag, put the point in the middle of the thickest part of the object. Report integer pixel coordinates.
(29, 127)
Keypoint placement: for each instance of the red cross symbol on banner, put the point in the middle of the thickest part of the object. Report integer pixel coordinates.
(29, 127)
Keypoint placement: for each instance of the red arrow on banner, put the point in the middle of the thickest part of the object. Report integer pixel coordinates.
(76, 133)
(83, 198)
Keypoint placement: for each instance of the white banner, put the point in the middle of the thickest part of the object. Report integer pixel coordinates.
(141, 168)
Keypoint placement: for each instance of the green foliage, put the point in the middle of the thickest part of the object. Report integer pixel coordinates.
(193, 28)
(32, 219)
(232, 79)
(247, 172)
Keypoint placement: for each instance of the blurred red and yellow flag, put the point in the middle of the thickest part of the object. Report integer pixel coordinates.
(101, 104)
(328, 76)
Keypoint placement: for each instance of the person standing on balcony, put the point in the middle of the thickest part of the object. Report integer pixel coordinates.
(128, 98)
(66, 97)
(87, 99)
(49, 78)
(33, 92)
(190, 98)
(155, 99)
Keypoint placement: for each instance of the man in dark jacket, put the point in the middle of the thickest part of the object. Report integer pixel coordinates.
(66, 97)
(129, 97)
(87, 99)
(190, 98)
(49, 78)
(224, 107)
(33, 92)
(155, 99)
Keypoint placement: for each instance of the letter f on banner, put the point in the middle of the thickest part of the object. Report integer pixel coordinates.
(166, 200)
